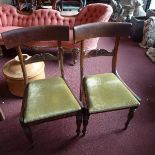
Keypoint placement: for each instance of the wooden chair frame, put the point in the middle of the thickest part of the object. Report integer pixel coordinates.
(15, 38)
(93, 30)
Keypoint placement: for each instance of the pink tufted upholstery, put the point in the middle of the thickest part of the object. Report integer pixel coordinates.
(94, 13)
(11, 19)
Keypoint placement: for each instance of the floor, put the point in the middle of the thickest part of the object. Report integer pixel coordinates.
(104, 135)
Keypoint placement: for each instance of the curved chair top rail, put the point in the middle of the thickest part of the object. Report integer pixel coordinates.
(104, 29)
(21, 36)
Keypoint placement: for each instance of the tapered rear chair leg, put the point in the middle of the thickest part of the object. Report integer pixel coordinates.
(28, 133)
(78, 122)
(130, 116)
(85, 120)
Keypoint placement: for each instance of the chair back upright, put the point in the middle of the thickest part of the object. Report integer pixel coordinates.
(16, 38)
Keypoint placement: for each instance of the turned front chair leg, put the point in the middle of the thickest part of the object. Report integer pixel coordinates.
(130, 116)
(85, 121)
(78, 122)
(28, 133)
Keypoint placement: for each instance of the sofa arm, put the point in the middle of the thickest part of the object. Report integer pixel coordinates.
(97, 12)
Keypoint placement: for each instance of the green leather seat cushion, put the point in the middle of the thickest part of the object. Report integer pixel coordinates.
(49, 98)
(106, 92)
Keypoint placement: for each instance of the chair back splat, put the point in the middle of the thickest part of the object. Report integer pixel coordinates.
(44, 99)
(101, 92)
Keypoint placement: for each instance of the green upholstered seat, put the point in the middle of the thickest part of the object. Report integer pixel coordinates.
(106, 92)
(56, 99)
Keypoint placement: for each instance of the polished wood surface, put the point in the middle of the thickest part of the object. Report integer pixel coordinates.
(105, 29)
(35, 33)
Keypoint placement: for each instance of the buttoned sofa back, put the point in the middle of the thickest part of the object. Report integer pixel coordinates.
(10, 19)
(91, 13)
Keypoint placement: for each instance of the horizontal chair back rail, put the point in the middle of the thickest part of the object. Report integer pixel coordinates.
(13, 38)
(94, 30)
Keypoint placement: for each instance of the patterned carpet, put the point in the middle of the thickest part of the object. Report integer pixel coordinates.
(104, 135)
